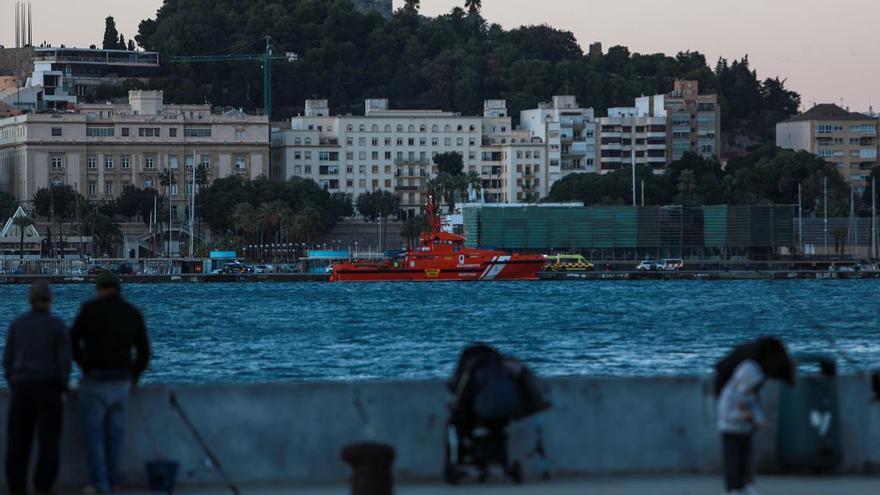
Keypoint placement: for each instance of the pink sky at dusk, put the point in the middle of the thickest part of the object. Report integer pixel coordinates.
(826, 50)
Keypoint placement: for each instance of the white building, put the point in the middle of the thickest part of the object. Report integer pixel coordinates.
(101, 148)
(393, 150)
(626, 129)
(570, 134)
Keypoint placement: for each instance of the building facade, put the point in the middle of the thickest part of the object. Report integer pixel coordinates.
(693, 121)
(569, 131)
(101, 148)
(628, 133)
(847, 139)
(393, 150)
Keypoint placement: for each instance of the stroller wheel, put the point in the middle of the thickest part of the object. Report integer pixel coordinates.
(516, 472)
(484, 474)
(451, 474)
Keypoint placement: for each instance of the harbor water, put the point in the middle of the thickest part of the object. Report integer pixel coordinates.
(271, 332)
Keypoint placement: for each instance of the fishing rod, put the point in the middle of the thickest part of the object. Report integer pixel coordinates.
(201, 441)
(816, 325)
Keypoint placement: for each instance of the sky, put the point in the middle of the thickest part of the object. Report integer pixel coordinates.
(828, 51)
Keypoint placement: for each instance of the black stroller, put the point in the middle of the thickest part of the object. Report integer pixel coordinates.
(490, 392)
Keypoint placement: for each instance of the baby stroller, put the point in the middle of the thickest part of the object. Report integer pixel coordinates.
(490, 392)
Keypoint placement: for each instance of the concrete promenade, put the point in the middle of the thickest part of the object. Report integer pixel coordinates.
(658, 485)
(599, 428)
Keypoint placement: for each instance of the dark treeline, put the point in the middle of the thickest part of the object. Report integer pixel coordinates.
(454, 62)
(767, 175)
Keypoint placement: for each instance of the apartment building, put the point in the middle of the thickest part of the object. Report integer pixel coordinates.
(847, 139)
(101, 148)
(629, 129)
(569, 131)
(393, 150)
(693, 121)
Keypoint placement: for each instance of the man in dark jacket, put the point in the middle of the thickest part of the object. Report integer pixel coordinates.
(36, 364)
(110, 346)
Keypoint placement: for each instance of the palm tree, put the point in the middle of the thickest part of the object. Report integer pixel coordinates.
(411, 230)
(473, 6)
(246, 219)
(272, 217)
(22, 223)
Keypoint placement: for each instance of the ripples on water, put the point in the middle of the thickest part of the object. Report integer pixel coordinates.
(321, 331)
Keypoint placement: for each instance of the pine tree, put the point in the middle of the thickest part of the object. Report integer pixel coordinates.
(111, 35)
(121, 44)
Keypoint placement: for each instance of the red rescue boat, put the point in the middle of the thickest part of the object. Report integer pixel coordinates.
(442, 256)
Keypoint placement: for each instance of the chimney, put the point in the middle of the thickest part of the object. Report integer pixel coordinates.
(30, 27)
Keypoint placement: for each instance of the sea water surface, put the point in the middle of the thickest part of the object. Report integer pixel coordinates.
(265, 332)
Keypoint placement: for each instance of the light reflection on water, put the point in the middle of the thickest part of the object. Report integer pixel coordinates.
(319, 331)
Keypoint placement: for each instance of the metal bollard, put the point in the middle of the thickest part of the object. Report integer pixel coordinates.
(371, 468)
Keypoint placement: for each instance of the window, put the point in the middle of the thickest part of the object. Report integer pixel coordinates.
(375, 141)
(197, 132)
(189, 188)
(328, 170)
(362, 169)
(126, 161)
(328, 156)
(206, 161)
(863, 128)
(125, 132)
(362, 155)
(239, 134)
(308, 169)
(375, 155)
(148, 131)
(149, 162)
(92, 161)
(92, 131)
(93, 189)
(56, 131)
(172, 162)
(172, 132)
(108, 188)
(240, 163)
(148, 182)
(362, 141)
(108, 162)
(57, 161)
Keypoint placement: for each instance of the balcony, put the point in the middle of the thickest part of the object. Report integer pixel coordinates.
(412, 161)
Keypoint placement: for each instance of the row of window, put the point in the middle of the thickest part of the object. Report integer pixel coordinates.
(56, 161)
(106, 131)
(412, 128)
(149, 183)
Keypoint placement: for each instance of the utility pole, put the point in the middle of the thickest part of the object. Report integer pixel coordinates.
(632, 134)
(800, 220)
(873, 218)
(825, 186)
(192, 208)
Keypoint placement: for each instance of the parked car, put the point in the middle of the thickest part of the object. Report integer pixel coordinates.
(671, 264)
(647, 266)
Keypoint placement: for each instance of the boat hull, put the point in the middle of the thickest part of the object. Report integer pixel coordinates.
(499, 268)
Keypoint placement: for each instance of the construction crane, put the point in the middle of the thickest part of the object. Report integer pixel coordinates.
(266, 58)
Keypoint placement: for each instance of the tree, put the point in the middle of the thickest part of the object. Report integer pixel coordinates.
(131, 46)
(450, 163)
(412, 229)
(57, 202)
(367, 207)
(340, 203)
(106, 234)
(22, 223)
(111, 35)
(473, 6)
(121, 43)
(8, 204)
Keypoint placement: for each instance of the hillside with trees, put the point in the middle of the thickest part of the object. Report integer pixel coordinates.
(453, 61)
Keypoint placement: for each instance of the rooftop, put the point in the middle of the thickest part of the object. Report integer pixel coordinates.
(828, 111)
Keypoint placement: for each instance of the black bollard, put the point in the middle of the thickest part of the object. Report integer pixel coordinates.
(371, 468)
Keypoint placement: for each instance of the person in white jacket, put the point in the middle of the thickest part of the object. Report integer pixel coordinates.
(739, 409)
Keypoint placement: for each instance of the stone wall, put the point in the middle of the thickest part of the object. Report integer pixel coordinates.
(17, 62)
(294, 432)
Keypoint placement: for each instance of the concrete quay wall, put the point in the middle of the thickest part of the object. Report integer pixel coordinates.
(294, 432)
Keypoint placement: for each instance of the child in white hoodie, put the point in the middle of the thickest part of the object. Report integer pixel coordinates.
(739, 411)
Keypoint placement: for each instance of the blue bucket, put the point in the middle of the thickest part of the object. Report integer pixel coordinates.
(162, 475)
